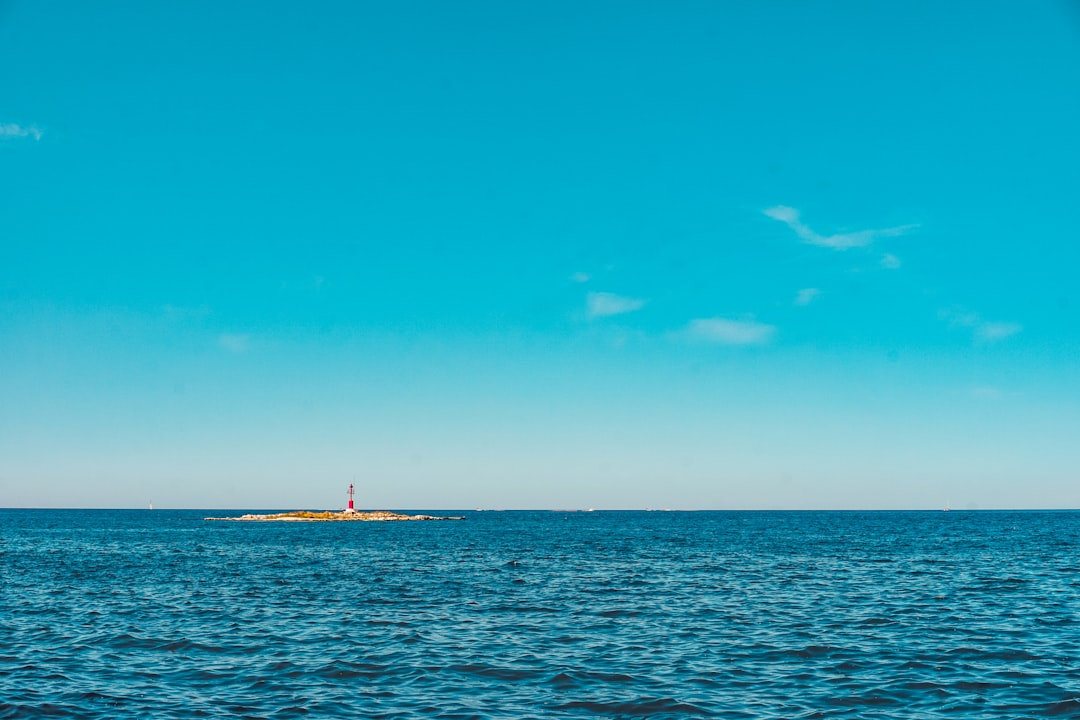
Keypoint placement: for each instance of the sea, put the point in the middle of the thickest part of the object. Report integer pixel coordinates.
(547, 614)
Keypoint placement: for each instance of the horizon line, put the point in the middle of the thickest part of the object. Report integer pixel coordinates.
(562, 510)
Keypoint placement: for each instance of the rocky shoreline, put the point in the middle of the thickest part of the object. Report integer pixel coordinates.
(333, 516)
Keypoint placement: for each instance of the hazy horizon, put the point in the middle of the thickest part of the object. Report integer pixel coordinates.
(321, 508)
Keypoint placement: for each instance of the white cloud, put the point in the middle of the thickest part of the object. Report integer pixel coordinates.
(731, 332)
(840, 241)
(890, 262)
(580, 277)
(806, 296)
(602, 304)
(983, 330)
(784, 214)
(14, 130)
(959, 317)
(234, 343)
(994, 331)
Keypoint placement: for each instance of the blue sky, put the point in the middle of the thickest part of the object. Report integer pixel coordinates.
(551, 255)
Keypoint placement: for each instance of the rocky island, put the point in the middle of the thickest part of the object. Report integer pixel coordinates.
(349, 515)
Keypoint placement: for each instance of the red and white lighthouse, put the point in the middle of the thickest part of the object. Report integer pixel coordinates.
(351, 491)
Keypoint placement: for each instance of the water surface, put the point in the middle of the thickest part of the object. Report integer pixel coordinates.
(159, 614)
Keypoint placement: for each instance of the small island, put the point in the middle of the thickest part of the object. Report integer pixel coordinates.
(349, 514)
(333, 516)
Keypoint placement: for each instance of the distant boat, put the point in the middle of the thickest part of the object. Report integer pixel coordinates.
(151, 504)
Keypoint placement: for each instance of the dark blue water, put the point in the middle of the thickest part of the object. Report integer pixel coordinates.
(107, 614)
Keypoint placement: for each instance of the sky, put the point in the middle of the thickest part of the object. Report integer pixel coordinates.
(692, 255)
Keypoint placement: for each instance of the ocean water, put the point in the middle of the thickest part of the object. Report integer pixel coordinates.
(160, 614)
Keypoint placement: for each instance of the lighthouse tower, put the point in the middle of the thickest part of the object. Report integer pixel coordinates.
(350, 509)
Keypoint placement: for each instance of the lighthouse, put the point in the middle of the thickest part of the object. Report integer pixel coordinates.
(350, 509)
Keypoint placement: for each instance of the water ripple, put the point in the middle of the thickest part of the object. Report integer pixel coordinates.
(526, 615)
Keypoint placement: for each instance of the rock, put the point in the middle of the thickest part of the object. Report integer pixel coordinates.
(332, 516)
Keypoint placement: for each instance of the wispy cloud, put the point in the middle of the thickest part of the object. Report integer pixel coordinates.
(959, 317)
(983, 330)
(602, 304)
(580, 277)
(806, 296)
(14, 130)
(890, 262)
(234, 343)
(731, 332)
(840, 241)
(994, 331)
(984, 392)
